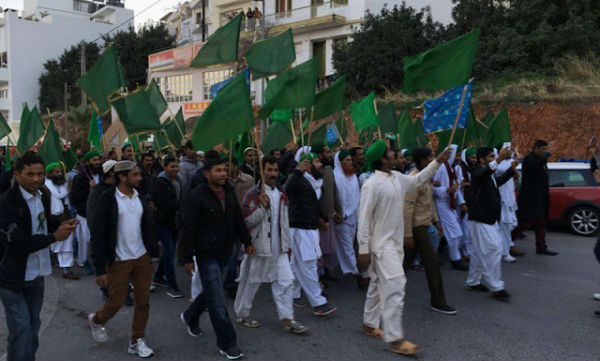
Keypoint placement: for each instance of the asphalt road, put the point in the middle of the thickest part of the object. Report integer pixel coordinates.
(550, 317)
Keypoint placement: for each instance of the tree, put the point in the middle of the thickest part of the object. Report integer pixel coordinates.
(134, 47)
(373, 59)
(65, 69)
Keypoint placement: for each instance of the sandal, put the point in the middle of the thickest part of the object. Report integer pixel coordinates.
(248, 322)
(373, 332)
(406, 348)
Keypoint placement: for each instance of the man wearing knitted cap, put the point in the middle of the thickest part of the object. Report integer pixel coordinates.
(304, 189)
(380, 243)
(83, 182)
(250, 165)
(462, 170)
(59, 207)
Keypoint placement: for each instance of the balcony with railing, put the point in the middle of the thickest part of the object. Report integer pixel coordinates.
(307, 18)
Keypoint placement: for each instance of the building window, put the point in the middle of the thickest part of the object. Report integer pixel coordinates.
(4, 93)
(3, 60)
(177, 88)
(210, 78)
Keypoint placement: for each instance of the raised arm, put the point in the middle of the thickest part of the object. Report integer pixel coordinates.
(365, 216)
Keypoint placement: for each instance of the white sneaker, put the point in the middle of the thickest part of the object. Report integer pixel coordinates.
(596, 296)
(509, 259)
(99, 333)
(141, 349)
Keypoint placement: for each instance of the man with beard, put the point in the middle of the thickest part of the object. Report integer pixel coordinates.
(56, 183)
(534, 197)
(485, 267)
(83, 182)
(265, 210)
(358, 158)
(127, 152)
(250, 165)
(331, 209)
(148, 176)
(188, 166)
(304, 189)
(467, 161)
(508, 215)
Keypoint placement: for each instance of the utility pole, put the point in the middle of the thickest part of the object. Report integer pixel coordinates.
(66, 100)
(83, 70)
(203, 20)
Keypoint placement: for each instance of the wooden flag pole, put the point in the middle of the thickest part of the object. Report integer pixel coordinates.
(301, 130)
(462, 103)
(376, 112)
(230, 157)
(312, 114)
(260, 167)
(293, 131)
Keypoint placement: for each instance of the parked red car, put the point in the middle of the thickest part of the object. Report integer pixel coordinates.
(574, 197)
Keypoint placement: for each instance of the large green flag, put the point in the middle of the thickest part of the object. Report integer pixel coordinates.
(278, 136)
(103, 79)
(156, 98)
(52, 147)
(227, 116)
(222, 46)
(387, 119)
(161, 141)
(363, 112)
(477, 130)
(444, 139)
(70, 159)
(331, 99)
(8, 160)
(422, 138)
(292, 89)
(172, 132)
(94, 134)
(271, 56)
(499, 131)
(318, 136)
(136, 113)
(180, 121)
(31, 130)
(406, 132)
(443, 67)
(4, 128)
(281, 115)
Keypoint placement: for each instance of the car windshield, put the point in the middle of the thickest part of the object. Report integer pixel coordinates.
(571, 178)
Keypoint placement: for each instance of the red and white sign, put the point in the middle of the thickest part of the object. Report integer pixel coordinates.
(180, 57)
(195, 108)
(161, 59)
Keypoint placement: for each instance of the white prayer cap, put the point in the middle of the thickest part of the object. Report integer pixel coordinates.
(108, 165)
(200, 152)
(303, 150)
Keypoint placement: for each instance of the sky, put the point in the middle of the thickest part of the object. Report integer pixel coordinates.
(153, 13)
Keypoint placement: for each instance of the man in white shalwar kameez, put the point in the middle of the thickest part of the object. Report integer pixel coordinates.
(463, 178)
(59, 203)
(485, 268)
(348, 189)
(303, 187)
(381, 243)
(508, 215)
(266, 215)
(447, 202)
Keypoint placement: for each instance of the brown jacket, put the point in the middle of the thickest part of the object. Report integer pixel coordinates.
(329, 202)
(419, 209)
(241, 185)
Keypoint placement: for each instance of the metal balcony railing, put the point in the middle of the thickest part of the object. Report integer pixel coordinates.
(299, 14)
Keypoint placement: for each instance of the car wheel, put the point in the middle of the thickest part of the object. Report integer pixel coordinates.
(584, 221)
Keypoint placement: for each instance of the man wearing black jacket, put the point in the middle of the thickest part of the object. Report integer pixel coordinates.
(25, 234)
(484, 214)
(212, 219)
(125, 243)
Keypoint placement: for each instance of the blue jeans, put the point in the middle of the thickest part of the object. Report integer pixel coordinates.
(212, 297)
(232, 270)
(166, 267)
(22, 311)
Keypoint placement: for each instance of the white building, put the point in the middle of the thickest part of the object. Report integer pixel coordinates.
(43, 31)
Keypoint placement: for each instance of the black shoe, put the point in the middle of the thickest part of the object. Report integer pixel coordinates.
(478, 287)
(446, 310)
(233, 353)
(501, 295)
(597, 313)
(192, 331)
(128, 301)
(547, 252)
(459, 266)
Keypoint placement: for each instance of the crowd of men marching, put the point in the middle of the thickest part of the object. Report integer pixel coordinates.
(296, 218)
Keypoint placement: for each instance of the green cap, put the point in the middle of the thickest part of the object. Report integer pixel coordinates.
(308, 156)
(51, 166)
(91, 154)
(376, 151)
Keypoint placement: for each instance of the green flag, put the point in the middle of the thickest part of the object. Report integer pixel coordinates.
(156, 98)
(271, 56)
(70, 159)
(363, 112)
(227, 116)
(280, 115)
(342, 127)
(278, 136)
(172, 132)
(222, 46)
(387, 119)
(52, 147)
(8, 160)
(292, 89)
(180, 121)
(93, 134)
(444, 139)
(161, 141)
(317, 136)
(499, 131)
(136, 113)
(4, 128)
(422, 139)
(443, 67)
(330, 100)
(477, 130)
(103, 79)
(25, 113)
(30, 131)
(487, 119)
(406, 132)
(244, 141)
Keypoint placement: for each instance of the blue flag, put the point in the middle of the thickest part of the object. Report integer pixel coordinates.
(332, 134)
(216, 88)
(440, 113)
(100, 132)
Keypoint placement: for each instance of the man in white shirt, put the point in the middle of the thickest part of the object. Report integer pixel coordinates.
(381, 243)
(265, 210)
(127, 238)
